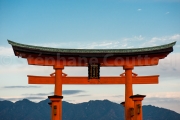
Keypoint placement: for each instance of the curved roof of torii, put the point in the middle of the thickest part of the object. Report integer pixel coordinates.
(48, 51)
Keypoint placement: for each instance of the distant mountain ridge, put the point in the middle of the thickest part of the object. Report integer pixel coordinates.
(92, 110)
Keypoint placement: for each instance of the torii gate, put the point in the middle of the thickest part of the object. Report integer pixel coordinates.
(93, 59)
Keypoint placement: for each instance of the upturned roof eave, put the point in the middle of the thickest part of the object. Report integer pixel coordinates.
(32, 48)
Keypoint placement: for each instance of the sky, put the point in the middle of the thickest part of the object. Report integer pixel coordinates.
(91, 24)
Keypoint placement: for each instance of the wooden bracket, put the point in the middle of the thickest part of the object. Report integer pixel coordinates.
(53, 74)
(133, 74)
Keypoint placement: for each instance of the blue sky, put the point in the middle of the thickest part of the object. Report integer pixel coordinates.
(90, 24)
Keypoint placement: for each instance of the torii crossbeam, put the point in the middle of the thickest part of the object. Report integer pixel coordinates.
(84, 80)
(93, 59)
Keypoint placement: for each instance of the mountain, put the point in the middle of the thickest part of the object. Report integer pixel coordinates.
(92, 110)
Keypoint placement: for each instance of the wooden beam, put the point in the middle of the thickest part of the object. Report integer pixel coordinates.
(41, 80)
(85, 80)
(106, 61)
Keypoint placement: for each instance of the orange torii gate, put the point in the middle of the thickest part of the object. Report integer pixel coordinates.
(93, 59)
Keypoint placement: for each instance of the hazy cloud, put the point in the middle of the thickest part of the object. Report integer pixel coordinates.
(65, 92)
(20, 98)
(118, 96)
(21, 86)
(139, 9)
(12, 99)
(35, 98)
(1, 99)
(82, 95)
(39, 94)
(159, 99)
(175, 37)
(154, 41)
(71, 101)
(127, 42)
(71, 92)
(170, 103)
(175, 95)
(4, 51)
(167, 12)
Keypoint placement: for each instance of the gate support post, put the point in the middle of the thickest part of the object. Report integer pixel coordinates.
(129, 104)
(137, 106)
(56, 106)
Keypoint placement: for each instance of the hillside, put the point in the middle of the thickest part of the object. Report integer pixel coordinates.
(92, 110)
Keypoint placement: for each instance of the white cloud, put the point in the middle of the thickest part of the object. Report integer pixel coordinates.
(12, 98)
(175, 37)
(114, 44)
(169, 100)
(168, 68)
(57, 45)
(173, 95)
(127, 42)
(167, 12)
(6, 51)
(140, 37)
(154, 41)
(139, 9)
(26, 69)
(94, 45)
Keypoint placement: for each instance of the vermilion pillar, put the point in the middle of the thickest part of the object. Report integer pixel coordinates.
(137, 106)
(58, 80)
(129, 104)
(57, 100)
(56, 107)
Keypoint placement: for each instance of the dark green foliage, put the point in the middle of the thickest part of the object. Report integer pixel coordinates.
(25, 110)
(92, 110)
(156, 113)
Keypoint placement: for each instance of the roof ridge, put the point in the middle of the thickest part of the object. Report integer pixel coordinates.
(92, 50)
